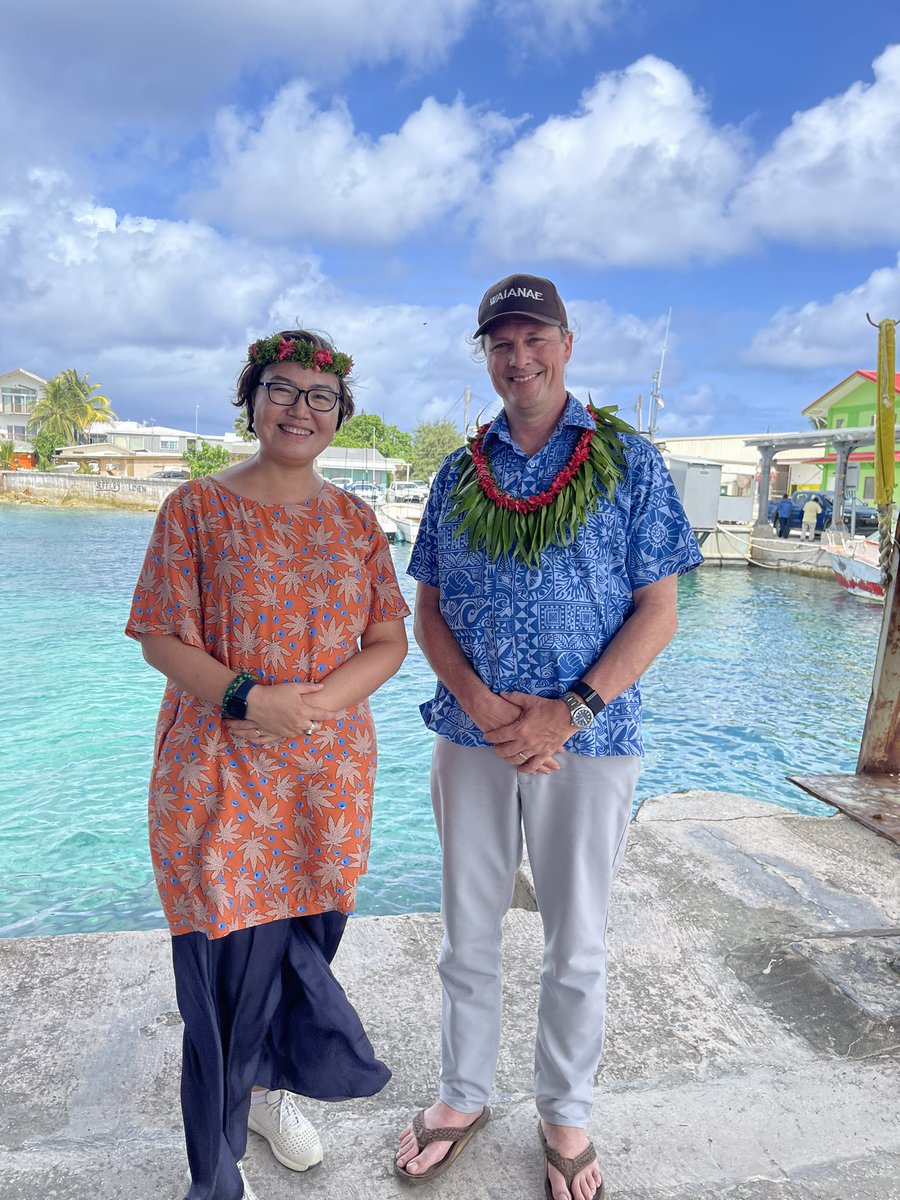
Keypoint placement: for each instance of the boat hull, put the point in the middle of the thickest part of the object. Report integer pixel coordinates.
(857, 570)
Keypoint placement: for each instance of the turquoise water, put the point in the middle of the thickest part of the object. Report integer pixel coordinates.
(769, 675)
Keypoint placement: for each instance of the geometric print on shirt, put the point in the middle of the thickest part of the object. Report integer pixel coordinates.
(538, 630)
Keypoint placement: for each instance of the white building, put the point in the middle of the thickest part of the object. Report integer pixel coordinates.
(19, 391)
(142, 438)
(740, 463)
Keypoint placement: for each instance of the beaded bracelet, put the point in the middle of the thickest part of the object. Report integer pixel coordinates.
(241, 677)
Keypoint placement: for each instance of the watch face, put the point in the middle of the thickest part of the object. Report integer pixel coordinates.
(582, 717)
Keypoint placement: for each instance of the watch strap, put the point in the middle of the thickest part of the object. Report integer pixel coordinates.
(236, 704)
(594, 702)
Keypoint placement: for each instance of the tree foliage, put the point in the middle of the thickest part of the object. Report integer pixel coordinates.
(7, 455)
(366, 429)
(45, 445)
(240, 427)
(432, 441)
(206, 459)
(68, 406)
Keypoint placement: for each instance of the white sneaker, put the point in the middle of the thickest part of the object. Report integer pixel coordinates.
(294, 1141)
(249, 1193)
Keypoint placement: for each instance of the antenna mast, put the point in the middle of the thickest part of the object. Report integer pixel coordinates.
(656, 402)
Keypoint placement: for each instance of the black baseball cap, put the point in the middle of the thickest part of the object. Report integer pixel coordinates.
(522, 296)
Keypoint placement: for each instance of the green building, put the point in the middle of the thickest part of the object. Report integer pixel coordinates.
(849, 405)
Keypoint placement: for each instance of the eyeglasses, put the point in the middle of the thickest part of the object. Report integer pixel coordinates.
(286, 395)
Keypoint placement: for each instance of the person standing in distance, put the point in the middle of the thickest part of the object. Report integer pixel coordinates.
(547, 565)
(811, 510)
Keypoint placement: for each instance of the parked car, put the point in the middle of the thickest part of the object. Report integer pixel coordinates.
(170, 474)
(341, 481)
(413, 490)
(365, 490)
(866, 515)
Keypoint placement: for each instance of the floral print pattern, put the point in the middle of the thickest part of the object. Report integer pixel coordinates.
(243, 834)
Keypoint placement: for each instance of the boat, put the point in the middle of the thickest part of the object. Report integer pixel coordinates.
(387, 524)
(406, 516)
(855, 565)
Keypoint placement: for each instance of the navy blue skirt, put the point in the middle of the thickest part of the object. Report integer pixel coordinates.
(261, 1007)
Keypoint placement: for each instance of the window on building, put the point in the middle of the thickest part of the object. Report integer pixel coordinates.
(17, 399)
(872, 419)
(839, 422)
(168, 443)
(135, 443)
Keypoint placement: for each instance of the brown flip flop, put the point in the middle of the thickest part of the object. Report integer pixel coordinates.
(567, 1167)
(424, 1136)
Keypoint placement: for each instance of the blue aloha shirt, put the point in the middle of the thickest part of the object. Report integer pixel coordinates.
(538, 630)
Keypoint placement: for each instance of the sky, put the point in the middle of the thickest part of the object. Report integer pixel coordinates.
(180, 177)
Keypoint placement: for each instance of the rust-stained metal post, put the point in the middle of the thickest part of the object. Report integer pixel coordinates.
(879, 752)
(841, 458)
(766, 456)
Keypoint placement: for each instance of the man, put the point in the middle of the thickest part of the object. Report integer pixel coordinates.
(811, 510)
(783, 515)
(537, 639)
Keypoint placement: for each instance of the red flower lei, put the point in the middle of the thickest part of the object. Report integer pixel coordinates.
(506, 500)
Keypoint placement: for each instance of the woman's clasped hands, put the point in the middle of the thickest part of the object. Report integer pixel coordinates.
(281, 710)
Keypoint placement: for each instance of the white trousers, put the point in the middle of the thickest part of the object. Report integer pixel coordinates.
(575, 823)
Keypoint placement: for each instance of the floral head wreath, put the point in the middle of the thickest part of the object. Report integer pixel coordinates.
(281, 349)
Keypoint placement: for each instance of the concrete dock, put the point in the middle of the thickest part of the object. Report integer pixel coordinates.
(752, 1047)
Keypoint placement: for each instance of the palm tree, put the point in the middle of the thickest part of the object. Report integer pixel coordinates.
(68, 407)
(7, 455)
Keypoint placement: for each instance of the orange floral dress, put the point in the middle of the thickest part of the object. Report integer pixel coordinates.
(242, 834)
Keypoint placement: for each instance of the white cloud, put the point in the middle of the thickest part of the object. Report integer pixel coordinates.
(161, 312)
(302, 170)
(690, 413)
(833, 175)
(145, 306)
(835, 333)
(536, 25)
(117, 72)
(613, 349)
(78, 267)
(638, 175)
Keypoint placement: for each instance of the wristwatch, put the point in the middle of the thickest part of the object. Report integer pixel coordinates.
(582, 717)
(236, 704)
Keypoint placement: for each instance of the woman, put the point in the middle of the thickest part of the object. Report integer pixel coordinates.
(269, 601)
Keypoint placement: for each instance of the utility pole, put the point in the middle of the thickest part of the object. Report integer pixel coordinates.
(656, 389)
(467, 400)
(639, 409)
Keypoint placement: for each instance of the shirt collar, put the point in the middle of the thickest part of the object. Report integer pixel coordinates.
(573, 414)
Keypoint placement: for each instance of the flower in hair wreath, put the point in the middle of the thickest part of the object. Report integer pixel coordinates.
(287, 349)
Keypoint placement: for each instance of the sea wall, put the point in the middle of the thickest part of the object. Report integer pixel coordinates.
(56, 487)
(790, 554)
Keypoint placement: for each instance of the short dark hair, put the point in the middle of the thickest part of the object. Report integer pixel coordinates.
(250, 376)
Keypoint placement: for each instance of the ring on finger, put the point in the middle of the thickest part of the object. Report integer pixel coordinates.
(259, 733)
(311, 728)
(522, 757)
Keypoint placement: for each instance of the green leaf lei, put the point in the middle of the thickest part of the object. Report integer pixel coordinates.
(280, 349)
(525, 527)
